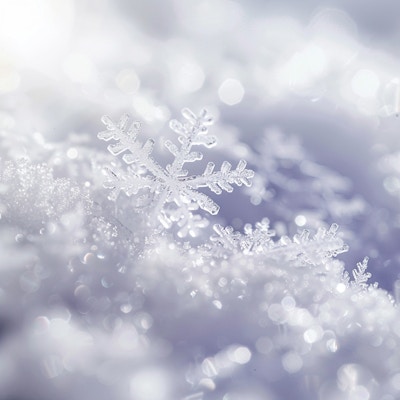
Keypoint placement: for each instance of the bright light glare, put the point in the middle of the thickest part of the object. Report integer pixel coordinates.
(31, 29)
(239, 354)
(300, 220)
(335, 32)
(305, 67)
(72, 153)
(79, 68)
(190, 77)
(9, 79)
(128, 81)
(242, 355)
(313, 59)
(365, 83)
(231, 92)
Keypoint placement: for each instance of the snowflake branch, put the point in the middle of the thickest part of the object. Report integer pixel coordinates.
(223, 179)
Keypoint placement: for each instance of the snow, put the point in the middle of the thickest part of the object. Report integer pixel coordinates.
(262, 267)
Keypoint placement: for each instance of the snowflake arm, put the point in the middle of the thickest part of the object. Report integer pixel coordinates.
(224, 179)
(130, 184)
(126, 141)
(193, 132)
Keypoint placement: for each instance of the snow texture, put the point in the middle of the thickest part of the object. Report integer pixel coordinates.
(174, 319)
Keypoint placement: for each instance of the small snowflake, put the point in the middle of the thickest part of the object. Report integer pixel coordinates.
(254, 240)
(312, 250)
(360, 277)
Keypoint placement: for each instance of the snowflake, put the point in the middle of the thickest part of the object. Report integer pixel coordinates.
(360, 277)
(254, 240)
(312, 250)
(171, 193)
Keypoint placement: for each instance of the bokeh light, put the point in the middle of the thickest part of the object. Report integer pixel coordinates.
(231, 92)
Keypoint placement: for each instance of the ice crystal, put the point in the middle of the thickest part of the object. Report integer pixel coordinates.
(307, 249)
(171, 192)
(360, 277)
(30, 195)
(254, 240)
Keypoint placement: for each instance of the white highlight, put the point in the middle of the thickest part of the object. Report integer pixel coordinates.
(300, 220)
(32, 30)
(150, 384)
(231, 92)
(79, 68)
(365, 83)
(72, 153)
(190, 77)
(292, 362)
(127, 81)
(240, 355)
(305, 67)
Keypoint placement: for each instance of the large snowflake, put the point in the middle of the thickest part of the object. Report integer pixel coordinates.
(171, 193)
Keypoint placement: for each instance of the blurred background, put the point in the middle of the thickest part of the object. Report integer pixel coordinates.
(308, 92)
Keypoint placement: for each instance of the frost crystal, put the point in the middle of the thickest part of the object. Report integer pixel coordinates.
(360, 277)
(171, 192)
(254, 240)
(30, 196)
(313, 250)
